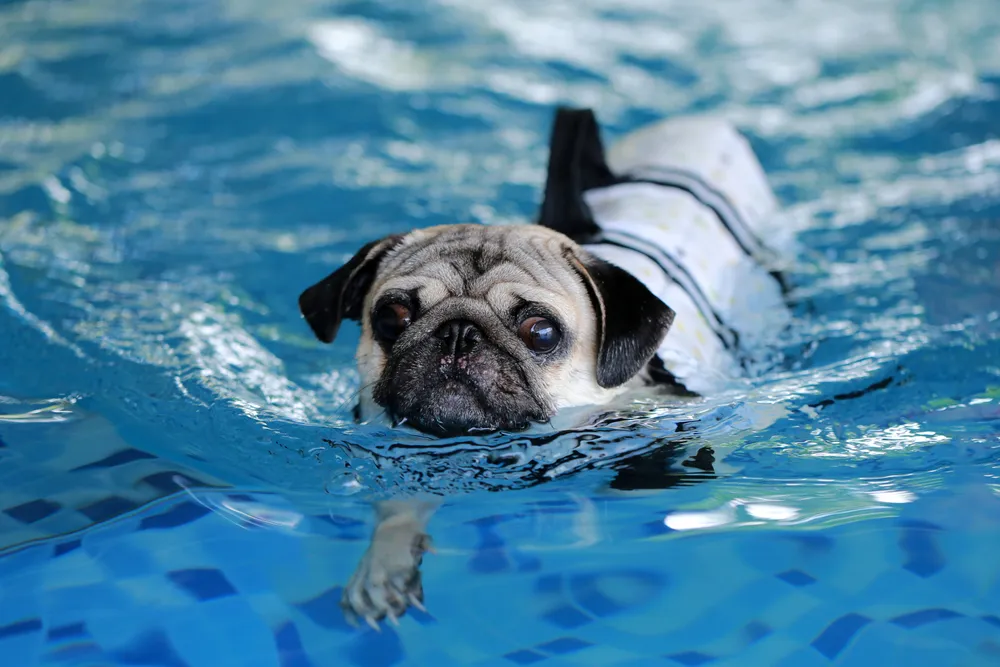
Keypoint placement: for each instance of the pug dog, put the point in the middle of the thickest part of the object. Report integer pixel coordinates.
(473, 328)
(646, 266)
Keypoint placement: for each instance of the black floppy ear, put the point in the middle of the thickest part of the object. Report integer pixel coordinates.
(631, 320)
(342, 293)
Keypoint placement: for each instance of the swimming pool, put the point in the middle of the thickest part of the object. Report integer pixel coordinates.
(181, 482)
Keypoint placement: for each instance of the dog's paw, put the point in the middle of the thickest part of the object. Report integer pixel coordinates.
(387, 581)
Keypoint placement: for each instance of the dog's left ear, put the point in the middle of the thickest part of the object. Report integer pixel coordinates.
(631, 320)
(342, 293)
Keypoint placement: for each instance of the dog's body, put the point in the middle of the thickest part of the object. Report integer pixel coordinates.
(469, 327)
(685, 211)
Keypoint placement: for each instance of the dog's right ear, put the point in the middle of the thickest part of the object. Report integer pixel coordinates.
(342, 293)
(631, 320)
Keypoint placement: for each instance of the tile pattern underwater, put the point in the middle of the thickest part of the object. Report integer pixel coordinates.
(175, 569)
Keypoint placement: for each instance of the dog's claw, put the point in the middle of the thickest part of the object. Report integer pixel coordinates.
(387, 580)
(415, 602)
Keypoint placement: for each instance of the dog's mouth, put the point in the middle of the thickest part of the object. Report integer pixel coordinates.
(448, 385)
(456, 405)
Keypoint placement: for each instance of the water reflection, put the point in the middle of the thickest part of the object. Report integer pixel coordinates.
(13, 410)
(167, 200)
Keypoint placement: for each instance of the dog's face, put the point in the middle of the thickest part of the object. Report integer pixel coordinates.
(469, 328)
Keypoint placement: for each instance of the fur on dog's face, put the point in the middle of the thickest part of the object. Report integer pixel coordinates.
(468, 328)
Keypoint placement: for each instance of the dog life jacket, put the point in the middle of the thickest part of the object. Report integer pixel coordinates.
(682, 205)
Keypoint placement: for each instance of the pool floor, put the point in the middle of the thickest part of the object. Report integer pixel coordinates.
(171, 568)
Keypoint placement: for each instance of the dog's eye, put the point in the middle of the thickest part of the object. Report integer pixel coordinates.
(390, 320)
(539, 334)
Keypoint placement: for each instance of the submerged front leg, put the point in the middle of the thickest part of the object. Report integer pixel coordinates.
(387, 581)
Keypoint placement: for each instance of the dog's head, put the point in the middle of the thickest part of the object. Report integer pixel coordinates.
(470, 328)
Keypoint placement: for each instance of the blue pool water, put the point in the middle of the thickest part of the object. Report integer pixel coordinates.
(180, 480)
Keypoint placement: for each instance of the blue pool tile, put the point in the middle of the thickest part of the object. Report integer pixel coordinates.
(324, 610)
(489, 561)
(124, 560)
(691, 658)
(107, 508)
(494, 519)
(549, 583)
(67, 631)
(991, 619)
(352, 535)
(20, 572)
(528, 563)
(590, 597)
(813, 543)
(804, 657)
(567, 617)
(68, 604)
(925, 616)
(796, 578)
(290, 650)
(564, 645)
(21, 628)
(21, 650)
(151, 648)
(376, 649)
(32, 511)
(524, 657)
(755, 631)
(65, 547)
(203, 584)
(919, 524)
(588, 593)
(179, 515)
(922, 555)
(166, 482)
(838, 634)
(223, 631)
(118, 458)
(490, 556)
(340, 521)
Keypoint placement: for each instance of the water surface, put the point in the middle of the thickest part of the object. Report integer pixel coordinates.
(181, 480)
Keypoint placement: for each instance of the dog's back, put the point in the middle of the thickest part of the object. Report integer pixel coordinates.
(684, 205)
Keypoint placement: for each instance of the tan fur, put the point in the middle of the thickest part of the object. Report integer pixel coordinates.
(533, 268)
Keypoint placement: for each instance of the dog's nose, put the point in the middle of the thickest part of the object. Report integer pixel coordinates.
(460, 336)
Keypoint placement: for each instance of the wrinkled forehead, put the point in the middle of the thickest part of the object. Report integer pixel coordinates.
(504, 266)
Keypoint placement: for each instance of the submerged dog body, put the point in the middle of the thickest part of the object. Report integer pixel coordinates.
(468, 328)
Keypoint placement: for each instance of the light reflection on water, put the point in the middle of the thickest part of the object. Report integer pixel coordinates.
(186, 169)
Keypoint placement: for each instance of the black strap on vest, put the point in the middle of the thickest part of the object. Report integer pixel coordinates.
(577, 164)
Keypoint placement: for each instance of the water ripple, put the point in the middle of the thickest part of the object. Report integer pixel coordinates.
(174, 173)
